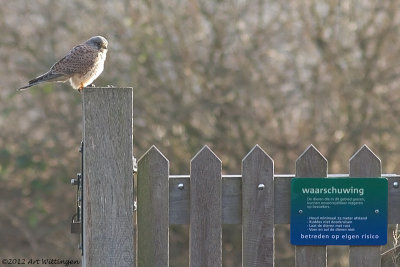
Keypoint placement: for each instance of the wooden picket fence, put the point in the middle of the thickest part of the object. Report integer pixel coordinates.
(258, 199)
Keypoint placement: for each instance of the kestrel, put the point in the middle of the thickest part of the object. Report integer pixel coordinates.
(81, 66)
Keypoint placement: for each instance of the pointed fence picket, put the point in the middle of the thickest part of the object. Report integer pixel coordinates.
(365, 164)
(311, 164)
(258, 208)
(257, 198)
(153, 215)
(205, 241)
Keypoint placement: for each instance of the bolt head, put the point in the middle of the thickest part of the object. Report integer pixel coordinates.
(261, 187)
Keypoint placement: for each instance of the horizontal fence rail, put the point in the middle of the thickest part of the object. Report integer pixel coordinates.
(232, 196)
(258, 199)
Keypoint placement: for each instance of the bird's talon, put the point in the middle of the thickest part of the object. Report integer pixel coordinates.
(110, 85)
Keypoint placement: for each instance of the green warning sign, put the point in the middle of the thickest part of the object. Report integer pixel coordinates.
(338, 211)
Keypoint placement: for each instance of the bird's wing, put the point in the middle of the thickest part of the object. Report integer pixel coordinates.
(77, 61)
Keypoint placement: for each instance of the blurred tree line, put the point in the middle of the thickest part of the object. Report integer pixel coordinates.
(230, 74)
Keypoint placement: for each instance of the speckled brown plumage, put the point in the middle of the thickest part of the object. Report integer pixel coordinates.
(81, 66)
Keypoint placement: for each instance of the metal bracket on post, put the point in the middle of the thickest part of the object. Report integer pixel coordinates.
(134, 165)
(134, 177)
(77, 218)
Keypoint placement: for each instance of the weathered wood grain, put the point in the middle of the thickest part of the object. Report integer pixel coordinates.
(393, 200)
(311, 164)
(179, 201)
(205, 241)
(364, 163)
(207, 168)
(232, 200)
(282, 200)
(258, 209)
(108, 182)
(152, 209)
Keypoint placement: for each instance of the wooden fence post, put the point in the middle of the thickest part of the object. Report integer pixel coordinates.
(364, 163)
(311, 164)
(108, 226)
(258, 209)
(205, 241)
(153, 209)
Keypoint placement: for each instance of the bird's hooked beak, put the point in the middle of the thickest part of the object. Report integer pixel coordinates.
(104, 46)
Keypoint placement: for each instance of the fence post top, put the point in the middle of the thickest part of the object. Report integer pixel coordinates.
(205, 152)
(311, 163)
(255, 151)
(311, 151)
(153, 151)
(364, 152)
(364, 163)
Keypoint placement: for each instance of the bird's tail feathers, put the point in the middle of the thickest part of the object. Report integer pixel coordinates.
(47, 77)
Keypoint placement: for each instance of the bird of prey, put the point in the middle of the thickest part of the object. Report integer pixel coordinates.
(81, 66)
